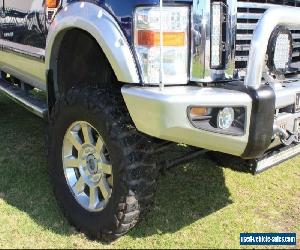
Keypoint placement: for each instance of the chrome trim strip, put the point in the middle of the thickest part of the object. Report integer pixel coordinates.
(288, 16)
(295, 36)
(242, 47)
(163, 114)
(231, 38)
(246, 26)
(200, 42)
(253, 5)
(242, 15)
(22, 50)
(106, 31)
(243, 37)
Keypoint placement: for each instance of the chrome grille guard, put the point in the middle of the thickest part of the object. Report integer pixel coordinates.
(287, 16)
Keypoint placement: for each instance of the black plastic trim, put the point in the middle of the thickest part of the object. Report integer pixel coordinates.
(51, 98)
(262, 118)
(261, 123)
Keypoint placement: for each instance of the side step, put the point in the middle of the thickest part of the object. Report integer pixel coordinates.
(30, 102)
(274, 158)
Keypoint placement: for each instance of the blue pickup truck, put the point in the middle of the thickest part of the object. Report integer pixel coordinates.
(120, 77)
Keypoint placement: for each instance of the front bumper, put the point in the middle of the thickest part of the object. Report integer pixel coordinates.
(163, 114)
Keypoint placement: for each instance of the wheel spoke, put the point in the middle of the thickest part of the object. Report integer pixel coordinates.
(94, 197)
(104, 188)
(110, 181)
(88, 171)
(99, 144)
(71, 163)
(87, 134)
(105, 167)
(79, 186)
(74, 139)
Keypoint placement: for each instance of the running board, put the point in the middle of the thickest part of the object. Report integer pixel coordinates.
(275, 158)
(30, 102)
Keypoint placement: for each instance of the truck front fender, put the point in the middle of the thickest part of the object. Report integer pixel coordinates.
(103, 27)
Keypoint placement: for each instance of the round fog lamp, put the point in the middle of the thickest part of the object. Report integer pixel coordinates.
(280, 50)
(225, 118)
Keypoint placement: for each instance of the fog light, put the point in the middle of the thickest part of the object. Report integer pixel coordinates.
(225, 118)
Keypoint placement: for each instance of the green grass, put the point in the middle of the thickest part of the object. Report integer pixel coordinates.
(198, 205)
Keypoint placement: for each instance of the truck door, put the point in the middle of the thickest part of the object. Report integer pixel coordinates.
(23, 22)
(23, 31)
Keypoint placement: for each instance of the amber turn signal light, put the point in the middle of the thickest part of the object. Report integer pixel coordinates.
(151, 38)
(199, 111)
(52, 3)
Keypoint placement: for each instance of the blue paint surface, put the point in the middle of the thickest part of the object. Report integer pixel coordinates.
(24, 21)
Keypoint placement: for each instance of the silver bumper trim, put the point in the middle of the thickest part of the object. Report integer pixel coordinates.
(286, 94)
(163, 114)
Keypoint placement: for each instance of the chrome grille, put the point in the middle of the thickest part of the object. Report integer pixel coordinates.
(248, 14)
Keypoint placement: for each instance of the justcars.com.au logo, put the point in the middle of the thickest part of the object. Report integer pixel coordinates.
(268, 239)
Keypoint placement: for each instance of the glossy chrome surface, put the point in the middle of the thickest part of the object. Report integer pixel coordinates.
(87, 166)
(230, 39)
(200, 45)
(200, 42)
(106, 31)
(163, 114)
(287, 16)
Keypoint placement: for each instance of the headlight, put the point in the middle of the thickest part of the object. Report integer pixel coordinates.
(171, 53)
(280, 50)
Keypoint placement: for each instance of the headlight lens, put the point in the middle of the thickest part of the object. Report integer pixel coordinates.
(173, 50)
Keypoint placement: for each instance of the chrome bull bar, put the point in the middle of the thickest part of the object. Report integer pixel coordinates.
(287, 16)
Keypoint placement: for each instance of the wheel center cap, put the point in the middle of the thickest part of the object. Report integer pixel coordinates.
(91, 163)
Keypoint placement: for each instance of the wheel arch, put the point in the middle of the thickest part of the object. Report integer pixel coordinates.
(103, 28)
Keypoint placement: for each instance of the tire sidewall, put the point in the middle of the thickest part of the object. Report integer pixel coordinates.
(99, 119)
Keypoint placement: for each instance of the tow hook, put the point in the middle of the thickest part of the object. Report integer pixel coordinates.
(285, 137)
